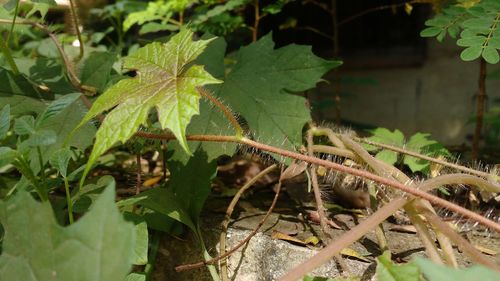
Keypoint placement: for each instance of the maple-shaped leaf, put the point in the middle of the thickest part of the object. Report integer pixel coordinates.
(165, 80)
(259, 85)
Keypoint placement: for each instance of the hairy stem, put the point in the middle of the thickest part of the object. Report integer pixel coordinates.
(338, 167)
(224, 109)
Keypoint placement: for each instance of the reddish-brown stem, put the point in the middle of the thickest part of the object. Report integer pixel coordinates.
(338, 167)
(480, 99)
(224, 109)
(255, 28)
(242, 242)
(314, 181)
(76, 24)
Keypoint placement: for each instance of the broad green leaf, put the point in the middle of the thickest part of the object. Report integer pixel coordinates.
(389, 271)
(435, 272)
(164, 201)
(421, 143)
(60, 160)
(164, 81)
(24, 125)
(7, 155)
(259, 85)
(476, 40)
(185, 194)
(56, 107)
(4, 121)
(141, 242)
(98, 247)
(41, 138)
(88, 194)
(97, 69)
(388, 156)
(383, 135)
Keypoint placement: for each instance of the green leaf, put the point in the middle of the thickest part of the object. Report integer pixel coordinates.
(97, 68)
(7, 155)
(41, 138)
(97, 247)
(389, 271)
(430, 31)
(56, 107)
(259, 85)
(4, 121)
(60, 160)
(164, 81)
(383, 135)
(471, 53)
(185, 195)
(136, 277)
(210, 121)
(24, 125)
(490, 55)
(141, 243)
(476, 40)
(435, 272)
(388, 156)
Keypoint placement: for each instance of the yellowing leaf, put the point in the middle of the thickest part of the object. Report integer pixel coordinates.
(165, 81)
(351, 253)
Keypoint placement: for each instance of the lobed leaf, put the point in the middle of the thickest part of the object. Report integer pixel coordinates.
(165, 81)
(99, 247)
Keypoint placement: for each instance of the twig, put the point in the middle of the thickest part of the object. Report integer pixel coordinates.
(314, 181)
(243, 242)
(255, 28)
(338, 167)
(229, 212)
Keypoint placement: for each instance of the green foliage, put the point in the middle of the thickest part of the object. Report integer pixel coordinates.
(389, 271)
(419, 142)
(97, 247)
(478, 24)
(436, 272)
(263, 83)
(164, 81)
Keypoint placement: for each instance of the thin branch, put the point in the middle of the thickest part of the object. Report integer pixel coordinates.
(243, 242)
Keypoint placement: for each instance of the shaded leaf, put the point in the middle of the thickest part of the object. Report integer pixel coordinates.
(56, 107)
(389, 271)
(141, 242)
(4, 121)
(97, 247)
(259, 85)
(97, 68)
(435, 272)
(60, 160)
